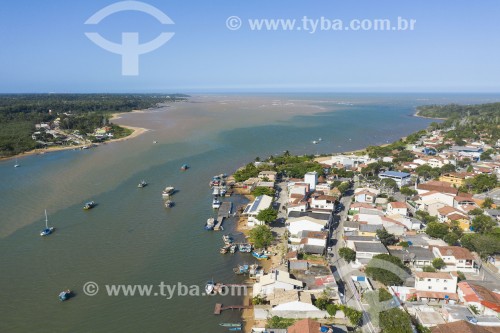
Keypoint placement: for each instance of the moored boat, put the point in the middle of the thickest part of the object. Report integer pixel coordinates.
(142, 184)
(65, 295)
(89, 205)
(169, 190)
(48, 230)
(233, 248)
(184, 167)
(216, 203)
(235, 328)
(225, 249)
(260, 256)
(245, 248)
(169, 203)
(227, 239)
(209, 287)
(210, 224)
(241, 269)
(230, 324)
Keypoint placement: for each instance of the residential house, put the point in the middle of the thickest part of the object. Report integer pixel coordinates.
(456, 258)
(415, 256)
(311, 178)
(313, 242)
(298, 224)
(437, 186)
(455, 178)
(365, 195)
(322, 202)
(253, 209)
(369, 230)
(277, 279)
(485, 300)
(436, 285)
(397, 208)
(463, 326)
(270, 175)
(367, 250)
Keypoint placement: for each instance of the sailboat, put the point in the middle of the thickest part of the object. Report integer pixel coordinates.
(47, 231)
(17, 165)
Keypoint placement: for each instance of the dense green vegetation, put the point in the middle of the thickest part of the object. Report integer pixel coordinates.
(267, 215)
(378, 270)
(279, 322)
(261, 236)
(467, 121)
(20, 113)
(347, 254)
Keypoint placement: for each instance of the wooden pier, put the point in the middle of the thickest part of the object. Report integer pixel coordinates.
(219, 308)
(224, 212)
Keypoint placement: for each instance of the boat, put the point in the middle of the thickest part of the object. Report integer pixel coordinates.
(209, 287)
(65, 295)
(184, 167)
(155, 142)
(89, 205)
(216, 191)
(227, 239)
(210, 224)
(17, 164)
(225, 249)
(222, 191)
(169, 190)
(235, 328)
(260, 256)
(241, 269)
(245, 248)
(169, 203)
(216, 181)
(230, 324)
(47, 231)
(216, 203)
(233, 248)
(315, 142)
(142, 184)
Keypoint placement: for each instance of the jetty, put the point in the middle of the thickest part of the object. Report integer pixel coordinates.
(223, 213)
(219, 308)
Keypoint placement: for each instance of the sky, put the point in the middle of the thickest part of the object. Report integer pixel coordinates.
(454, 47)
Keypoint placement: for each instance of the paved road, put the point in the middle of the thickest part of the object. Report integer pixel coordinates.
(342, 271)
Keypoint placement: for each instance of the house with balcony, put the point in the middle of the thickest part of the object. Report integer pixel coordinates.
(456, 258)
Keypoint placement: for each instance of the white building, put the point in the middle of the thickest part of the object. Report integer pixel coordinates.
(277, 279)
(456, 258)
(397, 208)
(298, 224)
(401, 178)
(253, 209)
(444, 282)
(312, 179)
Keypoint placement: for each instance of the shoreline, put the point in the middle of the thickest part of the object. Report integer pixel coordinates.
(416, 114)
(136, 131)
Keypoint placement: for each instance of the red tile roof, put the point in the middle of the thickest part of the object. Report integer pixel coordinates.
(463, 327)
(456, 251)
(305, 326)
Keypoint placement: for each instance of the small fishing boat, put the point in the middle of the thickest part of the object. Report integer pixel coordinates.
(17, 164)
(241, 269)
(209, 287)
(216, 191)
(169, 203)
(142, 184)
(184, 167)
(155, 142)
(48, 230)
(230, 324)
(320, 139)
(222, 191)
(210, 224)
(169, 190)
(227, 239)
(245, 248)
(315, 142)
(64, 295)
(89, 205)
(233, 248)
(225, 249)
(260, 256)
(216, 203)
(235, 328)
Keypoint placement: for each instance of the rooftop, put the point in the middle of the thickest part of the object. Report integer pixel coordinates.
(370, 247)
(463, 327)
(395, 174)
(434, 275)
(456, 251)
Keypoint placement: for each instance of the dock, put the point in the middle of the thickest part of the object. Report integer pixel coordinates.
(219, 308)
(224, 212)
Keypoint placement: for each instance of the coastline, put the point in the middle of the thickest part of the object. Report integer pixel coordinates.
(416, 114)
(136, 131)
